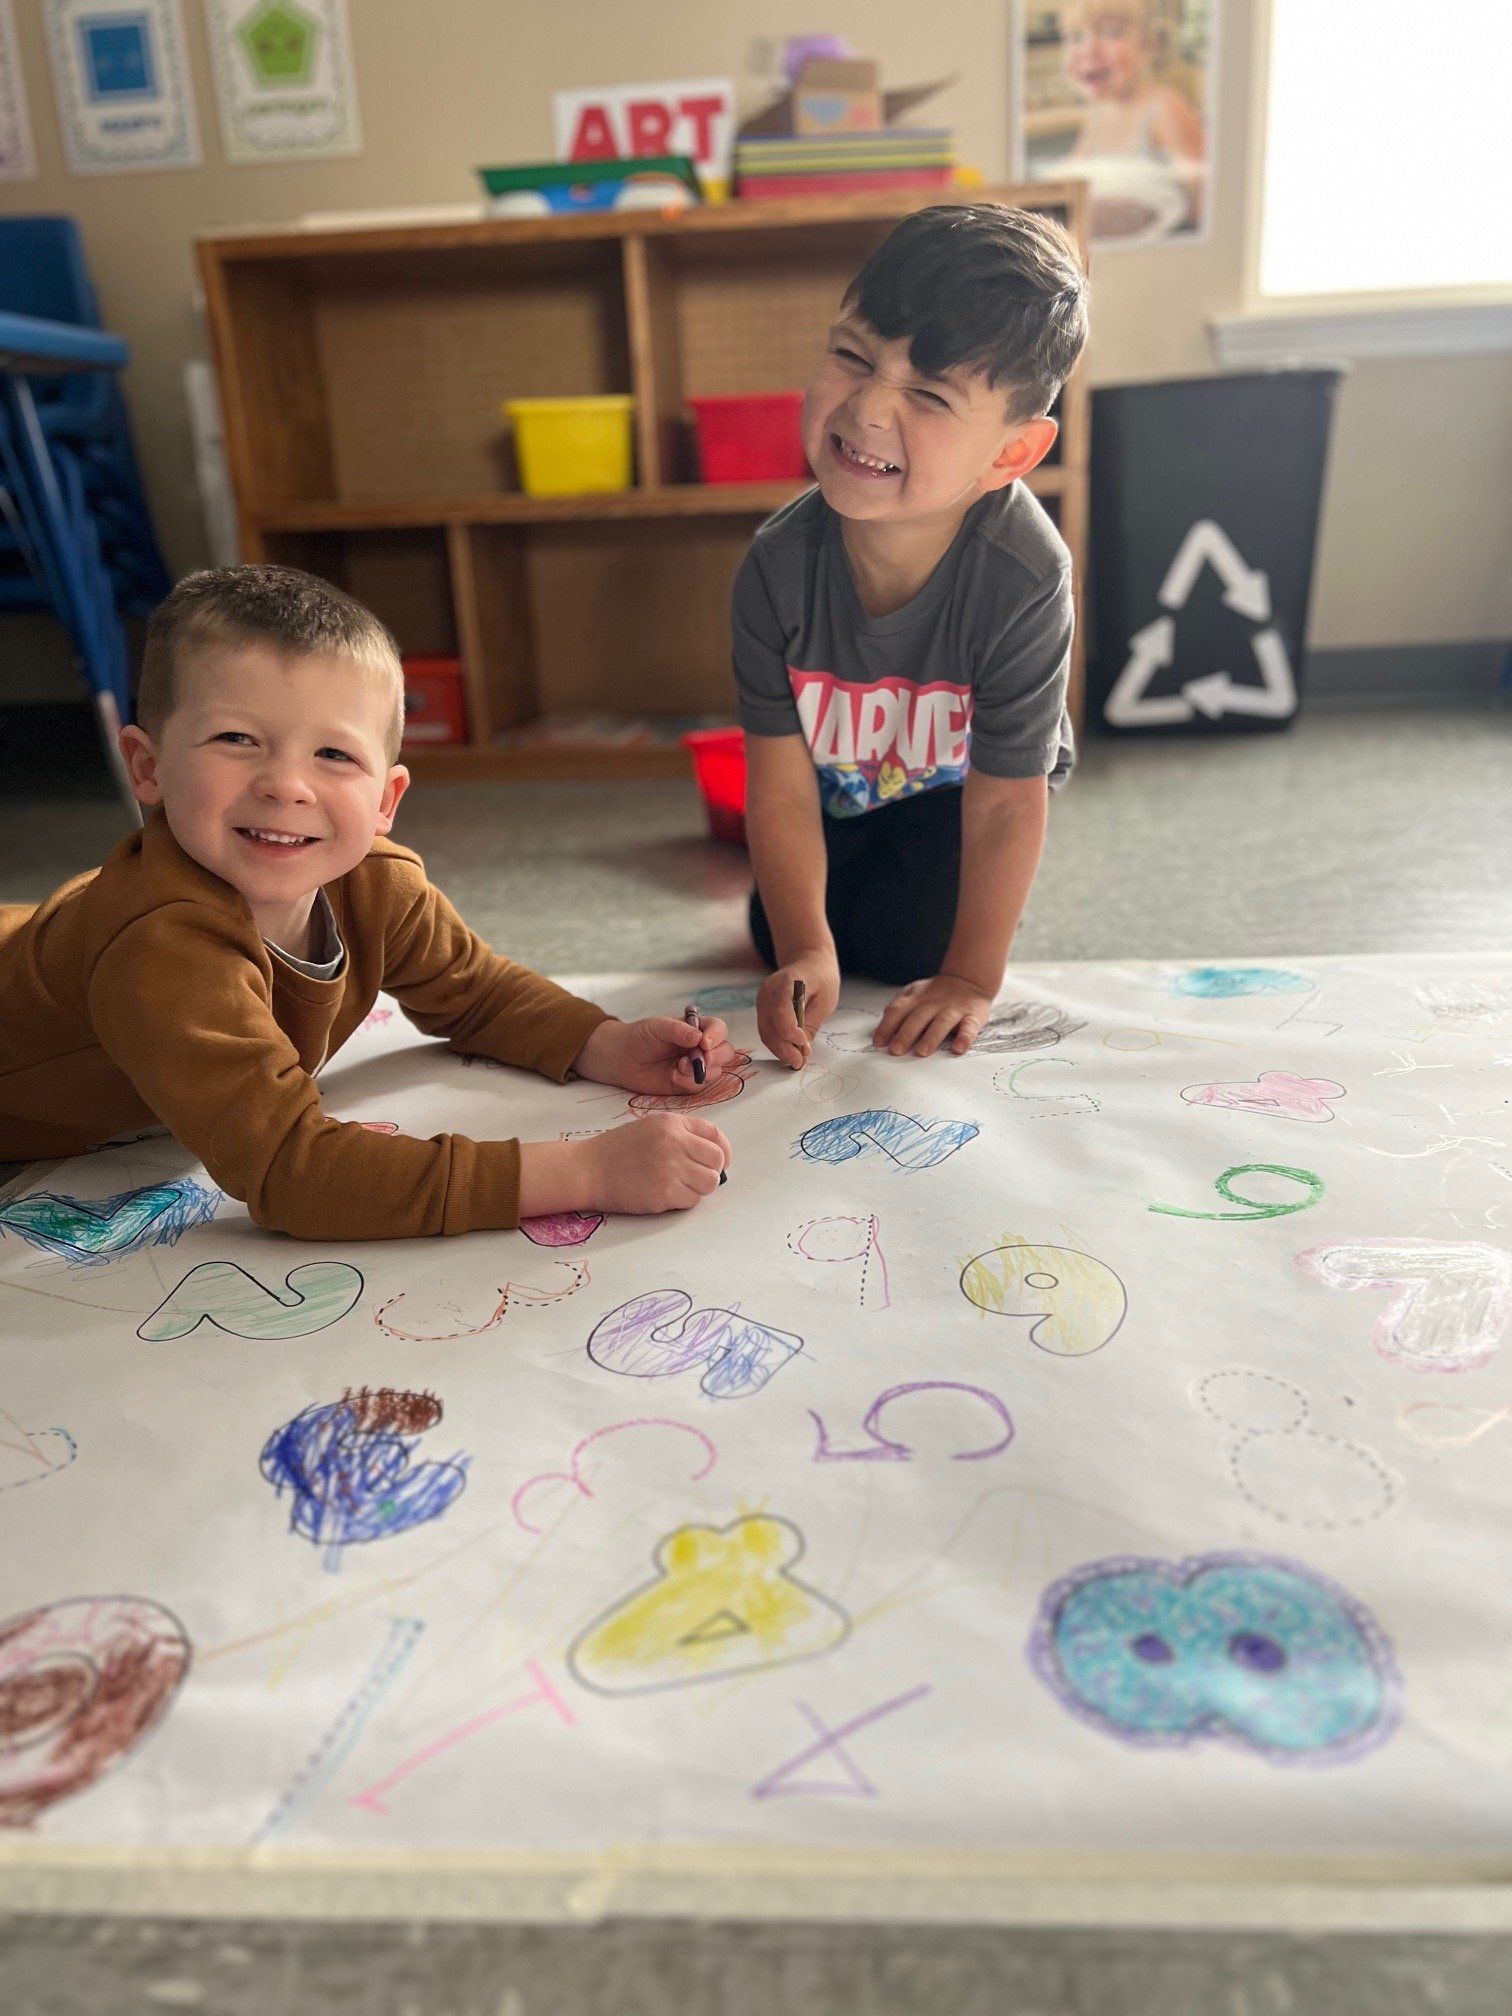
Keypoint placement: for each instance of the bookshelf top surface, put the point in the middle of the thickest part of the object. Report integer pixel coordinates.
(297, 241)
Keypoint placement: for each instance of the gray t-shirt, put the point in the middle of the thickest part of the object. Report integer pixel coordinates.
(970, 674)
(329, 954)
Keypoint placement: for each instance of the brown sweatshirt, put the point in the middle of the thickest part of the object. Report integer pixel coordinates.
(142, 993)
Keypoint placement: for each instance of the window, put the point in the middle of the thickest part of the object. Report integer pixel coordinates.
(1388, 167)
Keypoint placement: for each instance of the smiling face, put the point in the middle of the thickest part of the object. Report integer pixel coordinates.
(889, 442)
(273, 773)
(1104, 51)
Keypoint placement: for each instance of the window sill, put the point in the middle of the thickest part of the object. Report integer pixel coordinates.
(1268, 337)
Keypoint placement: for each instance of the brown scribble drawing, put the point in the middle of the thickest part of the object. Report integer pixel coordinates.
(730, 1086)
(81, 1683)
(387, 1410)
(511, 1293)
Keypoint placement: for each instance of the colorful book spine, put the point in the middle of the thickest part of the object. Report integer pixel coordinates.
(831, 161)
(900, 140)
(852, 182)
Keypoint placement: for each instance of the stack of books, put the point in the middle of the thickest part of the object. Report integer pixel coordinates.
(844, 164)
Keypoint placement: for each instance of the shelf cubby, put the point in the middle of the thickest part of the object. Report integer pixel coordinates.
(363, 373)
(402, 573)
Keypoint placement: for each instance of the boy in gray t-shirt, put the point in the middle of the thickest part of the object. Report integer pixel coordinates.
(902, 635)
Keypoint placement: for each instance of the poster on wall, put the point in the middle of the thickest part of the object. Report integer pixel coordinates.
(18, 158)
(122, 79)
(632, 121)
(283, 78)
(1119, 93)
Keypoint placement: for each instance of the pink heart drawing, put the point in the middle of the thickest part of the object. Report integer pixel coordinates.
(562, 1228)
(1279, 1093)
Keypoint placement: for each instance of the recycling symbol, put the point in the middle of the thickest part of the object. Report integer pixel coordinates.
(1246, 590)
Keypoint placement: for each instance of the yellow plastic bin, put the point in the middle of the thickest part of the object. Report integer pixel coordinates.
(567, 446)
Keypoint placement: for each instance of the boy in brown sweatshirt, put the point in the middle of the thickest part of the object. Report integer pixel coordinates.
(204, 974)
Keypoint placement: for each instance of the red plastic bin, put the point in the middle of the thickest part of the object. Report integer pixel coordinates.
(719, 768)
(435, 707)
(750, 438)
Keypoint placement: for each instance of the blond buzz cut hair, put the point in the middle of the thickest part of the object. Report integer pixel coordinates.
(291, 612)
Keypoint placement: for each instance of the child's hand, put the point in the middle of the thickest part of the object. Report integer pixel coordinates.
(777, 1025)
(928, 1012)
(666, 1162)
(655, 1055)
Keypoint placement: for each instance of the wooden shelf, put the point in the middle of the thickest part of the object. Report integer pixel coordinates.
(566, 763)
(668, 500)
(487, 234)
(363, 374)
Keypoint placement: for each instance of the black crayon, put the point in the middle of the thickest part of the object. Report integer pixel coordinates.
(691, 1017)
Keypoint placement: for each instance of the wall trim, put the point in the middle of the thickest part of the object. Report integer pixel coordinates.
(1268, 337)
(1407, 675)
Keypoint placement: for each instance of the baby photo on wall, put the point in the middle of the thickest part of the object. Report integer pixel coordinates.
(1116, 91)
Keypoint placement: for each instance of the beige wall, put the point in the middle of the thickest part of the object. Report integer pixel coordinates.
(461, 81)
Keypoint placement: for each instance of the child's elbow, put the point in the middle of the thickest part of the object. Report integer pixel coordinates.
(272, 1209)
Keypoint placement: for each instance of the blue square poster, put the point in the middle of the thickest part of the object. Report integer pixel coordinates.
(117, 54)
(122, 82)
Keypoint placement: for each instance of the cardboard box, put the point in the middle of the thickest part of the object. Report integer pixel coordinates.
(777, 119)
(838, 97)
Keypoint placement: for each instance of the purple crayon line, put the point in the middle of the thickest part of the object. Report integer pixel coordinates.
(858, 1785)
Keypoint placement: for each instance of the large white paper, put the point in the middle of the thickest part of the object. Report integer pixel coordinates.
(1095, 1443)
(122, 83)
(18, 159)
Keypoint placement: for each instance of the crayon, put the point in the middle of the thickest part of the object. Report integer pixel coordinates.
(691, 1017)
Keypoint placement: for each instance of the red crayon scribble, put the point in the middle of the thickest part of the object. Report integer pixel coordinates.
(730, 1086)
(512, 1292)
(386, 1410)
(27, 1446)
(81, 1683)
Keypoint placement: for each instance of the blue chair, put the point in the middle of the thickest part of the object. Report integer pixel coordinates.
(44, 274)
(48, 519)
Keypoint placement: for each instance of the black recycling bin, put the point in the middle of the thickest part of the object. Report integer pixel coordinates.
(1205, 496)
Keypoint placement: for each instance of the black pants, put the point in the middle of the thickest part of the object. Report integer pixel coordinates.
(894, 875)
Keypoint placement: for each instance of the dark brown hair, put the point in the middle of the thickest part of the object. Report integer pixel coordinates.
(1001, 291)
